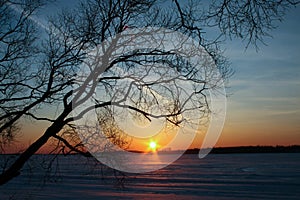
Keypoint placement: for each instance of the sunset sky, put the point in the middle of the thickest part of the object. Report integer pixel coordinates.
(264, 103)
(264, 92)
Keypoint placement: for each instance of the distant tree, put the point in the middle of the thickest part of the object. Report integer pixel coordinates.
(35, 74)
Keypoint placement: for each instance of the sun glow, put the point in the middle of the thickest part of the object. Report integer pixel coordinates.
(153, 145)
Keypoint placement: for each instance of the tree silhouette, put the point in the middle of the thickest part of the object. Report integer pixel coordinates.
(37, 73)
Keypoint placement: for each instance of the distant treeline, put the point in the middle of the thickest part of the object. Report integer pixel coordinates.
(251, 149)
(227, 150)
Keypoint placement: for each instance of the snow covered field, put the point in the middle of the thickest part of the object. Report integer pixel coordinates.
(226, 176)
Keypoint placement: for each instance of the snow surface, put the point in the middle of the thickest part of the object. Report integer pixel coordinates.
(226, 176)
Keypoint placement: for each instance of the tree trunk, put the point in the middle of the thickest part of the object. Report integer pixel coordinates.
(14, 169)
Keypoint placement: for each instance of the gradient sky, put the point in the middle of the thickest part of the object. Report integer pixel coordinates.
(264, 93)
(264, 105)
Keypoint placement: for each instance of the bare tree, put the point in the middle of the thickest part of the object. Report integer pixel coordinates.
(17, 40)
(92, 37)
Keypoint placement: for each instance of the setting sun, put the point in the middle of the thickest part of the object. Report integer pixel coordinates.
(152, 145)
